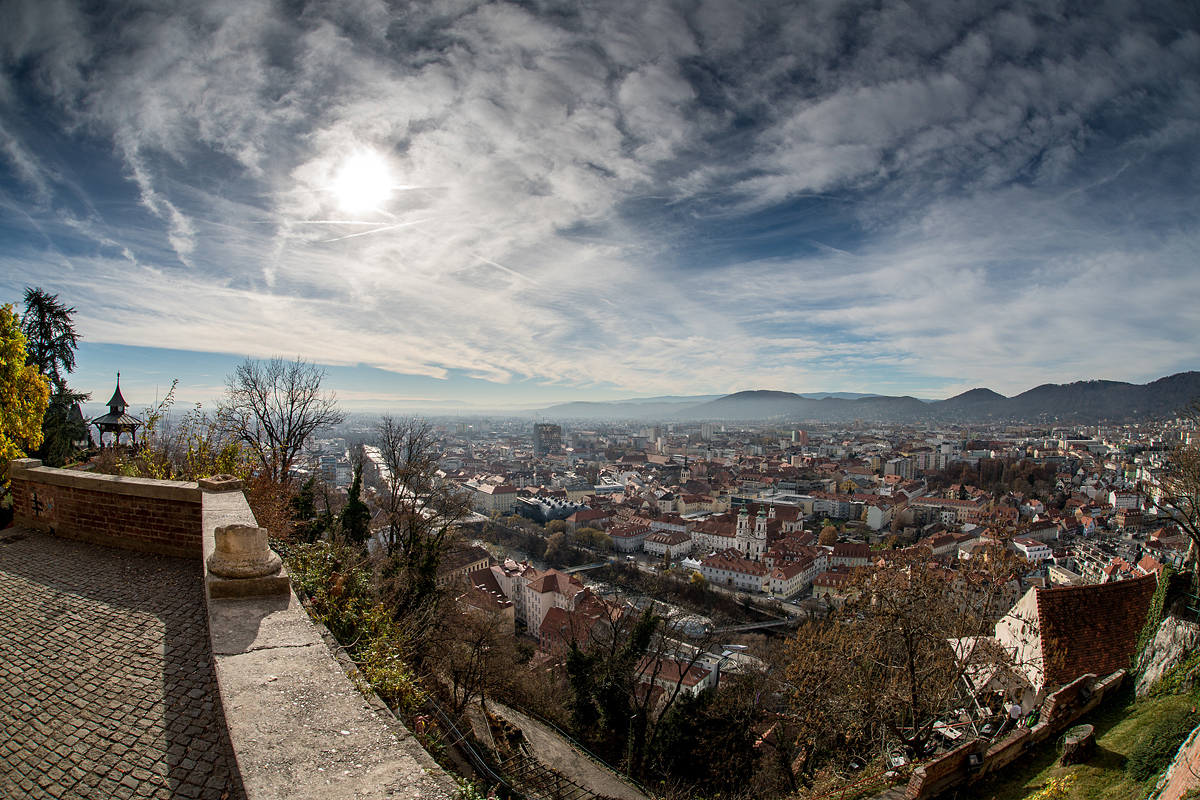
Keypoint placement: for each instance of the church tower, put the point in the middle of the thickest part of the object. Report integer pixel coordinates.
(758, 546)
(744, 536)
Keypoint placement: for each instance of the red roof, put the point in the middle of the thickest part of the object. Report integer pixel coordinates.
(787, 570)
(847, 550)
(1092, 628)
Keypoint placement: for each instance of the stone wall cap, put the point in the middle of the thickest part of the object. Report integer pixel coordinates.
(32, 470)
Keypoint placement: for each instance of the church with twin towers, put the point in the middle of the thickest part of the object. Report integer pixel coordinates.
(751, 539)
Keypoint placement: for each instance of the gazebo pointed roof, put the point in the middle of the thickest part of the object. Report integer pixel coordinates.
(116, 421)
(117, 404)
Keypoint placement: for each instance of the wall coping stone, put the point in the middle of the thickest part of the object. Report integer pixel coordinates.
(31, 469)
(298, 727)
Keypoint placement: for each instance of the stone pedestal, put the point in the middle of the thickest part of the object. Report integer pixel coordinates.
(243, 564)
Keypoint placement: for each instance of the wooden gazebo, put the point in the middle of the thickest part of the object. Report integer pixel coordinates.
(116, 421)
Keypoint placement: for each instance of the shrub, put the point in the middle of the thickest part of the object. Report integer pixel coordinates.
(1153, 751)
(336, 582)
(1179, 678)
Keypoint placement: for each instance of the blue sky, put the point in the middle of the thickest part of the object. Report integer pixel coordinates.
(462, 203)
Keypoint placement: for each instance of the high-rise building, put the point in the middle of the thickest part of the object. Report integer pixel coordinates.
(547, 439)
(652, 434)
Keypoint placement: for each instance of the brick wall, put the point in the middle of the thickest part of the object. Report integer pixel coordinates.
(132, 513)
(945, 771)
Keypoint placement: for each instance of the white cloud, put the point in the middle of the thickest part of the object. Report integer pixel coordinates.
(552, 170)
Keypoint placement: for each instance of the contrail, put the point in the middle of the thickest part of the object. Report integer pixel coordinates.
(314, 222)
(377, 230)
(495, 264)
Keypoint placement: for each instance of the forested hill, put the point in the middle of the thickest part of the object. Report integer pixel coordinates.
(1079, 402)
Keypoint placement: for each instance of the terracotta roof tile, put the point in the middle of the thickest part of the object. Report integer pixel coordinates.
(1092, 628)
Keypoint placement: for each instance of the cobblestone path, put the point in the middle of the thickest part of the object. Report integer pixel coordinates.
(106, 683)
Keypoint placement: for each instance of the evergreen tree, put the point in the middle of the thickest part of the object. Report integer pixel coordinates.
(51, 340)
(50, 336)
(356, 517)
(306, 522)
(63, 428)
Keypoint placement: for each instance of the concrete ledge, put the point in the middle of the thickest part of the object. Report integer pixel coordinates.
(31, 469)
(298, 727)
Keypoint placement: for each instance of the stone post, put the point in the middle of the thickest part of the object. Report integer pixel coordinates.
(243, 564)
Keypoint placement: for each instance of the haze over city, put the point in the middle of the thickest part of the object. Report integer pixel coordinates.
(459, 204)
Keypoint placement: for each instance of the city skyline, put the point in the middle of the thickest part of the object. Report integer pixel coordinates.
(489, 204)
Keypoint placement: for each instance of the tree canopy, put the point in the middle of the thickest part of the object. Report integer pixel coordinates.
(24, 394)
(891, 663)
(1179, 489)
(50, 336)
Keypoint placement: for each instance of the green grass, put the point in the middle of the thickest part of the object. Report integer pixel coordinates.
(1122, 723)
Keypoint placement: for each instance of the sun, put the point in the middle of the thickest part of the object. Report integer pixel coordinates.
(362, 183)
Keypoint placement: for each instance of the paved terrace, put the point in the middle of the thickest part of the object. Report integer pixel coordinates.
(117, 679)
(106, 680)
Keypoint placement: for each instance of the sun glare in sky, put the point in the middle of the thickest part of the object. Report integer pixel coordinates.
(364, 182)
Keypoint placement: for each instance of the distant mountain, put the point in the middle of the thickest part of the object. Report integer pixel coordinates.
(655, 408)
(1079, 402)
(836, 395)
(670, 398)
(975, 397)
(790, 407)
(1108, 399)
(613, 411)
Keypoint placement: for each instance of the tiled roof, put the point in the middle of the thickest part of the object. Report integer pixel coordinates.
(732, 561)
(1092, 628)
(555, 581)
(669, 537)
(849, 550)
(789, 569)
(486, 591)
(832, 579)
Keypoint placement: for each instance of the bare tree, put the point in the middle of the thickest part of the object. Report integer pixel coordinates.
(273, 407)
(1179, 489)
(421, 511)
(478, 656)
(897, 658)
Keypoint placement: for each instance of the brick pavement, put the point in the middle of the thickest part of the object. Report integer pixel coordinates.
(106, 681)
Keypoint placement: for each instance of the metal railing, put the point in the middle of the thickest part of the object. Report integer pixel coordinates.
(460, 742)
(587, 753)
